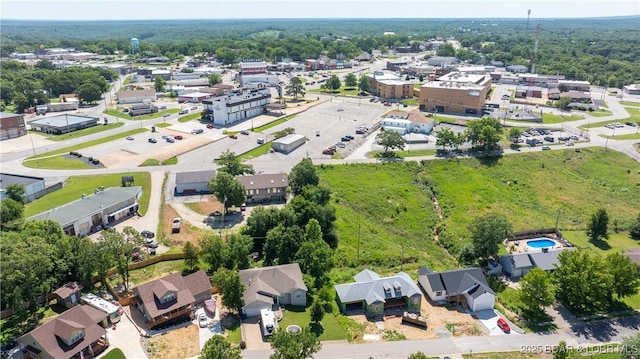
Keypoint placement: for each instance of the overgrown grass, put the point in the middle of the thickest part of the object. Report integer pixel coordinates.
(84, 132)
(530, 188)
(552, 118)
(76, 185)
(273, 123)
(58, 162)
(148, 273)
(330, 329)
(385, 209)
(90, 143)
(256, 152)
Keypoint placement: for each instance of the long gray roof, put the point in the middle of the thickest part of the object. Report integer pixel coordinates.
(546, 260)
(63, 120)
(194, 177)
(456, 281)
(7, 178)
(93, 203)
(370, 287)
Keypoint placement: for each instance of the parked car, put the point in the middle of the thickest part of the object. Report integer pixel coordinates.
(372, 99)
(151, 243)
(194, 107)
(574, 138)
(505, 97)
(549, 139)
(209, 126)
(317, 133)
(546, 148)
(244, 132)
(235, 137)
(328, 151)
(130, 138)
(502, 324)
(197, 131)
(629, 123)
(569, 143)
(340, 144)
(361, 131)
(164, 137)
(203, 322)
(345, 139)
(178, 137)
(243, 207)
(152, 140)
(166, 115)
(351, 137)
(260, 141)
(183, 112)
(147, 234)
(175, 225)
(170, 139)
(162, 107)
(340, 109)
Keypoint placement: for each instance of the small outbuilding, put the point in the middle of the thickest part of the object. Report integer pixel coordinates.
(66, 123)
(288, 143)
(193, 182)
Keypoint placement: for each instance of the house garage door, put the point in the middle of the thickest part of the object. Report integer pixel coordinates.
(252, 312)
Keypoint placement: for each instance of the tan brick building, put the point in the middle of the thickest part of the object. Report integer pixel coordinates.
(455, 93)
(389, 86)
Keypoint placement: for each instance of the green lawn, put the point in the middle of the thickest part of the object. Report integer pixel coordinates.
(628, 136)
(114, 354)
(191, 117)
(80, 133)
(90, 143)
(596, 124)
(164, 124)
(616, 242)
(143, 275)
(629, 103)
(154, 162)
(126, 116)
(77, 185)
(406, 153)
(601, 113)
(58, 162)
(331, 328)
(551, 118)
(410, 102)
(256, 152)
(273, 123)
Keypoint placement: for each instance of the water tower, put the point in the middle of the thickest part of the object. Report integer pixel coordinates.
(134, 45)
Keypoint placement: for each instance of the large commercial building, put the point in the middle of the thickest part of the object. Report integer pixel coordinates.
(237, 106)
(11, 125)
(455, 93)
(34, 187)
(60, 124)
(389, 86)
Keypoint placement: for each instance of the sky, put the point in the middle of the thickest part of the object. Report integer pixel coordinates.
(267, 9)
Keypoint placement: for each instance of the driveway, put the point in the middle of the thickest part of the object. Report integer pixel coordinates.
(489, 319)
(126, 337)
(253, 334)
(214, 327)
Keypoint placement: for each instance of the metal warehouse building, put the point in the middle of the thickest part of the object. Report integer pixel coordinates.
(60, 124)
(288, 143)
(193, 182)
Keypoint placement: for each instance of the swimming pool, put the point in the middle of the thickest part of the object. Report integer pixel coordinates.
(541, 243)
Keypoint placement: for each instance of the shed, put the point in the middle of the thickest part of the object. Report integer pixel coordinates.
(193, 182)
(288, 143)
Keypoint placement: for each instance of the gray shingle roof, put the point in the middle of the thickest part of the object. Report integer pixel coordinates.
(264, 181)
(7, 178)
(91, 204)
(194, 177)
(456, 281)
(370, 287)
(271, 281)
(64, 120)
(546, 261)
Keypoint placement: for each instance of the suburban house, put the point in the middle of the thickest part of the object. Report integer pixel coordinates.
(66, 123)
(68, 295)
(274, 285)
(374, 294)
(467, 287)
(11, 125)
(517, 265)
(76, 333)
(405, 123)
(34, 187)
(265, 187)
(193, 182)
(90, 213)
(455, 92)
(237, 106)
(172, 298)
(288, 143)
(136, 96)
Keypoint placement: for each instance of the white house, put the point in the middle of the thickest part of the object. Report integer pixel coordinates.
(405, 123)
(467, 287)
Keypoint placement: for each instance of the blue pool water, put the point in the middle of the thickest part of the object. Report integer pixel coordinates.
(541, 243)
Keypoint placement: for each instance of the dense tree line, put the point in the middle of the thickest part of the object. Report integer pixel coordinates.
(603, 51)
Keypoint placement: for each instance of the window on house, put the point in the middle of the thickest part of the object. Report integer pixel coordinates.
(298, 295)
(438, 293)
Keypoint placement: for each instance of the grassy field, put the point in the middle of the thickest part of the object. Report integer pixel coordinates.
(273, 123)
(331, 329)
(256, 152)
(628, 136)
(389, 213)
(407, 153)
(126, 116)
(551, 118)
(148, 273)
(387, 210)
(601, 113)
(630, 103)
(58, 162)
(77, 185)
(90, 143)
(191, 117)
(616, 242)
(80, 133)
(154, 162)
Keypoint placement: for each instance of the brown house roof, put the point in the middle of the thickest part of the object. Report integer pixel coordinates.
(198, 282)
(66, 290)
(49, 335)
(416, 117)
(264, 181)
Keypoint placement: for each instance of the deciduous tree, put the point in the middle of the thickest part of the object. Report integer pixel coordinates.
(390, 140)
(629, 347)
(218, 347)
(229, 162)
(16, 192)
(598, 225)
(215, 79)
(89, 92)
(230, 287)
(514, 134)
(484, 133)
(158, 84)
(536, 290)
(301, 346)
(303, 174)
(363, 84)
(191, 260)
(350, 80)
(122, 245)
(295, 88)
(488, 232)
(213, 250)
(626, 281)
(11, 214)
(634, 231)
(227, 189)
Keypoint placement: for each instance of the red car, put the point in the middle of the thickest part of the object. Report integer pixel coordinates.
(235, 137)
(502, 324)
(178, 137)
(209, 126)
(329, 151)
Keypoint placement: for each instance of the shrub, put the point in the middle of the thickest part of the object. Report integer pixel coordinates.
(79, 155)
(243, 345)
(90, 159)
(95, 161)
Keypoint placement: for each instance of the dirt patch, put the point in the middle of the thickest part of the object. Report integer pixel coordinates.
(187, 233)
(178, 343)
(207, 206)
(440, 319)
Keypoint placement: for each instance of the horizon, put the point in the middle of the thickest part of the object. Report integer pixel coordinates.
(149, 10)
